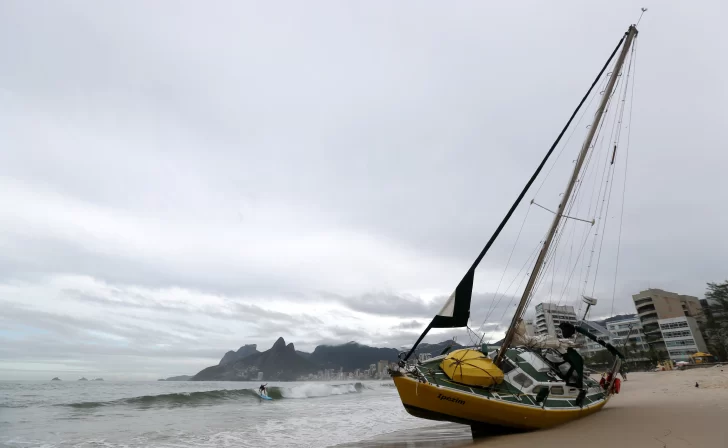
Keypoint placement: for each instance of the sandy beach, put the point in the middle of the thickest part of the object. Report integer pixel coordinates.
(655, 409)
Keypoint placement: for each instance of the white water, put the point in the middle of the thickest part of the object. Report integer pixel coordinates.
(196, 414)
(313, 390)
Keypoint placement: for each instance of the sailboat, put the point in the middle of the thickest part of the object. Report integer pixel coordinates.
(528, 382)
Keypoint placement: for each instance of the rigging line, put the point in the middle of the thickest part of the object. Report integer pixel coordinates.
(619, 112)
(578, 205)
(586, 232)
(550, 258)
(539, 280)
(619, 115)
(543, 162)
(518, 287)
(507, 263)
(626, 165)
(576, 262)
(604, 231)
(573, 131)
(591, 258)
(568, 211)
(551, 289)
(466, 283)
(528, 261)
(597, 143)
(571, 254)
(574, 208)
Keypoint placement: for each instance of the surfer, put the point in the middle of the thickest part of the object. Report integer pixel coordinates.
(262, 390)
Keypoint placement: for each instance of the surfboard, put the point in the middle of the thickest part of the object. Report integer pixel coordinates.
(264, 397)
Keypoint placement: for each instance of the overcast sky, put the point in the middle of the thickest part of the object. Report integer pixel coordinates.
(178, 179)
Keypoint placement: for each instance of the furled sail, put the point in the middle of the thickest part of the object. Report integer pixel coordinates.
(456, 311)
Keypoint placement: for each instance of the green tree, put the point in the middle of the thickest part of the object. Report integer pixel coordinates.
(715, 326)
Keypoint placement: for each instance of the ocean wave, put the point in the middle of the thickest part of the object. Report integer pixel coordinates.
(210, 397)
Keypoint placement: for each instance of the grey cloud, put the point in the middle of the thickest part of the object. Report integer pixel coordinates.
(410, 325)
(239, 311)
(408, 130)
(385, 304)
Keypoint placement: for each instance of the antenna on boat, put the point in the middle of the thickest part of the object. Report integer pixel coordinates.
(590, 301)
(525, 298)
(644, 10)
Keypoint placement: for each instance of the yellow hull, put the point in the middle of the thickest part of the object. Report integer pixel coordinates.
(440, 403)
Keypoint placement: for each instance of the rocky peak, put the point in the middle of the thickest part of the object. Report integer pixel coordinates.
(280, 344)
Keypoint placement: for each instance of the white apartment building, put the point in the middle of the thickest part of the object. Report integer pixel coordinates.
(549, 316)
(682, 337)
(621, 328)
(589, 347)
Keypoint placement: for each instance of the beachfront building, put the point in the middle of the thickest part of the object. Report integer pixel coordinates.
(656, 307)
(632, 326)
(587, 347)
(549, 316)
(681, 337)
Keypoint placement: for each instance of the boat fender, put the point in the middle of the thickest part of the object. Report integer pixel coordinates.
(617, 385)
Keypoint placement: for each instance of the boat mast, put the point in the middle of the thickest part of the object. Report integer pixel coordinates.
(631, 33)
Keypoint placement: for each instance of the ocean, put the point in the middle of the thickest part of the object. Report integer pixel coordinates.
(113, 414)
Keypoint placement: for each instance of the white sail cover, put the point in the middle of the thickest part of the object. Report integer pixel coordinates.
(543, 341)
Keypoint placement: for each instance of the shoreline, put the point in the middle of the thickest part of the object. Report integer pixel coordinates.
(653, 409)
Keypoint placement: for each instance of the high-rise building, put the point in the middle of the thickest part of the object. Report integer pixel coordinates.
(587, 347)
(549, 316)
(660, 311)
(382, 367)
(681, 337)
(632, 326)
(260, 376)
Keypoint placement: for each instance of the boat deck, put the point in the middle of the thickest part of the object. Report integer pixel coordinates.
(506, 391)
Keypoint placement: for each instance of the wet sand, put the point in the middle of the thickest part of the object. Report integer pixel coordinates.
(655, 409)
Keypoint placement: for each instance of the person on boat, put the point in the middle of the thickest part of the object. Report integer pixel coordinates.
(263, 390)
(623, 372)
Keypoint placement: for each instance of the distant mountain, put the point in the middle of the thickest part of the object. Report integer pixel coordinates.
(439, 348)
(352, 355)
(284, 362)
(280, 362)
(83, 379)
(97, 379)
(56, 379)
(177, 378)
(245, 350)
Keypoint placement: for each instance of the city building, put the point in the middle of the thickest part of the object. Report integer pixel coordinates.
(656, 307)
(382, 368)
(260, 376)
(587, 347)
(681, 337)
(549, 316)
(530, 327)
(631, 326)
